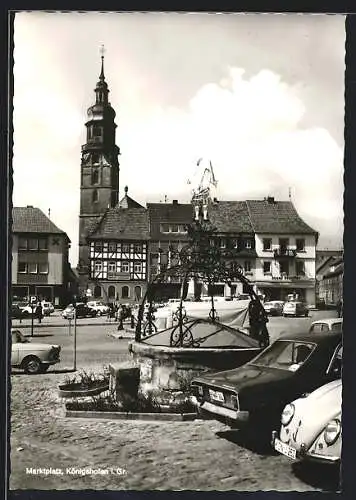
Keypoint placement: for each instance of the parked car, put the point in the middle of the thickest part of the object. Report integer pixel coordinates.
(311, 426)
(295, 309)
(326, 325)
(26, 309)
(98, 307)
(274, 307)
(257, 392)
(82, 311)
(16, 312)
(47, 308)
(243, 296)
(32, 357)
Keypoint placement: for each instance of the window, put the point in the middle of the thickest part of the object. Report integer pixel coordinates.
(32, 267)
(97, 291)
(98, 247)
(283, 244)
(138, 293)
(300, 269)
(267, 244)
(95, 196)
(95, 158)
(137, 248)
(138, 267)
(164, 228)
(125, 248)
(235, 243)
(97, 131)
(248, 244)
(98, 266)
(43, 268)
(33, 244)
(43, 244)
(112, 247)
(247, 266)
(222, 243)
(22, 243)
(284, 268)
(125, 268)
(111, 292)
(300, 244)
(182, 228)
(112, 267)
(266, 267)
(22, 267)
(95, 176)
(125, 292)
(174, 228)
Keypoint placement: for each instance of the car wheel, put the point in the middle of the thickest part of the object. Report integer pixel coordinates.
(32, 365)
(98, 313)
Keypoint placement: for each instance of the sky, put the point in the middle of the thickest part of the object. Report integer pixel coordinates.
(261, 96)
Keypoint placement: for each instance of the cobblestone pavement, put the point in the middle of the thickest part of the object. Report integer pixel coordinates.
(198, 455)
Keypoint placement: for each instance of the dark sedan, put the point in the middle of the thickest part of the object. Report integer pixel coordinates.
(257, 392)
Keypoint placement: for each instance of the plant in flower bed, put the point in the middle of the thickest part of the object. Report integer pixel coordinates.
(143, 403)
(84, 383)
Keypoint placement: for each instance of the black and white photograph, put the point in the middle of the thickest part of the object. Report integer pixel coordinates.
(177, 251)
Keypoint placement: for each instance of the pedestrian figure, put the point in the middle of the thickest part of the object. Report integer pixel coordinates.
(108, 314)
(38, 312)
(120, 314)
(339, 309)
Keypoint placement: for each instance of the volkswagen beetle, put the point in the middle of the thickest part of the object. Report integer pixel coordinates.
(311, 426)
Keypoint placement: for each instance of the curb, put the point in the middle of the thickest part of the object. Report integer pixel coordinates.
(111, 415)
(57, 325)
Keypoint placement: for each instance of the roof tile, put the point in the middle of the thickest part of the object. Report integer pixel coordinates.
(32, 220)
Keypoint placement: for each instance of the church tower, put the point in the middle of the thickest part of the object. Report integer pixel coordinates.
(99, 183)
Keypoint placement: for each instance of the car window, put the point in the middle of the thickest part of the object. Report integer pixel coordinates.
(286, 355)
(337, 327)
(17, 337)
(336, 363)
(319, 327)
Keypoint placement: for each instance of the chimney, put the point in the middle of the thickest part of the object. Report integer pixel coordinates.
(29, 206)
(175, 202)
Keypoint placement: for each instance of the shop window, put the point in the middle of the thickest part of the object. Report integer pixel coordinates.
(22, 267)
(43, 268)
(111, 292)
(125, 292)
(97, 291)
(267, 244)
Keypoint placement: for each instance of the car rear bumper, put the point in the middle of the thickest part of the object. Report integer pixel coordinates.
(235, 417)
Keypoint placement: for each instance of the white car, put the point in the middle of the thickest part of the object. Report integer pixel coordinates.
(32, 357)
(99, 307)
(326, 325)
(47, 308)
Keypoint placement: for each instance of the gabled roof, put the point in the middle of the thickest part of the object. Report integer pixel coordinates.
(270, 216)
(230, 216)
(128, 202)
(32, 220)
(170, 212)
(123, 223)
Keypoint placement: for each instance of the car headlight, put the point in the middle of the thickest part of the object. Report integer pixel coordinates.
(332, 431)
(287, 414)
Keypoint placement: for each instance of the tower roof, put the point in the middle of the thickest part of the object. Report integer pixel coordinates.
(128, 202)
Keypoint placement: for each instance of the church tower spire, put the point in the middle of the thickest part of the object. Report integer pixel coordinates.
(99, 185)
